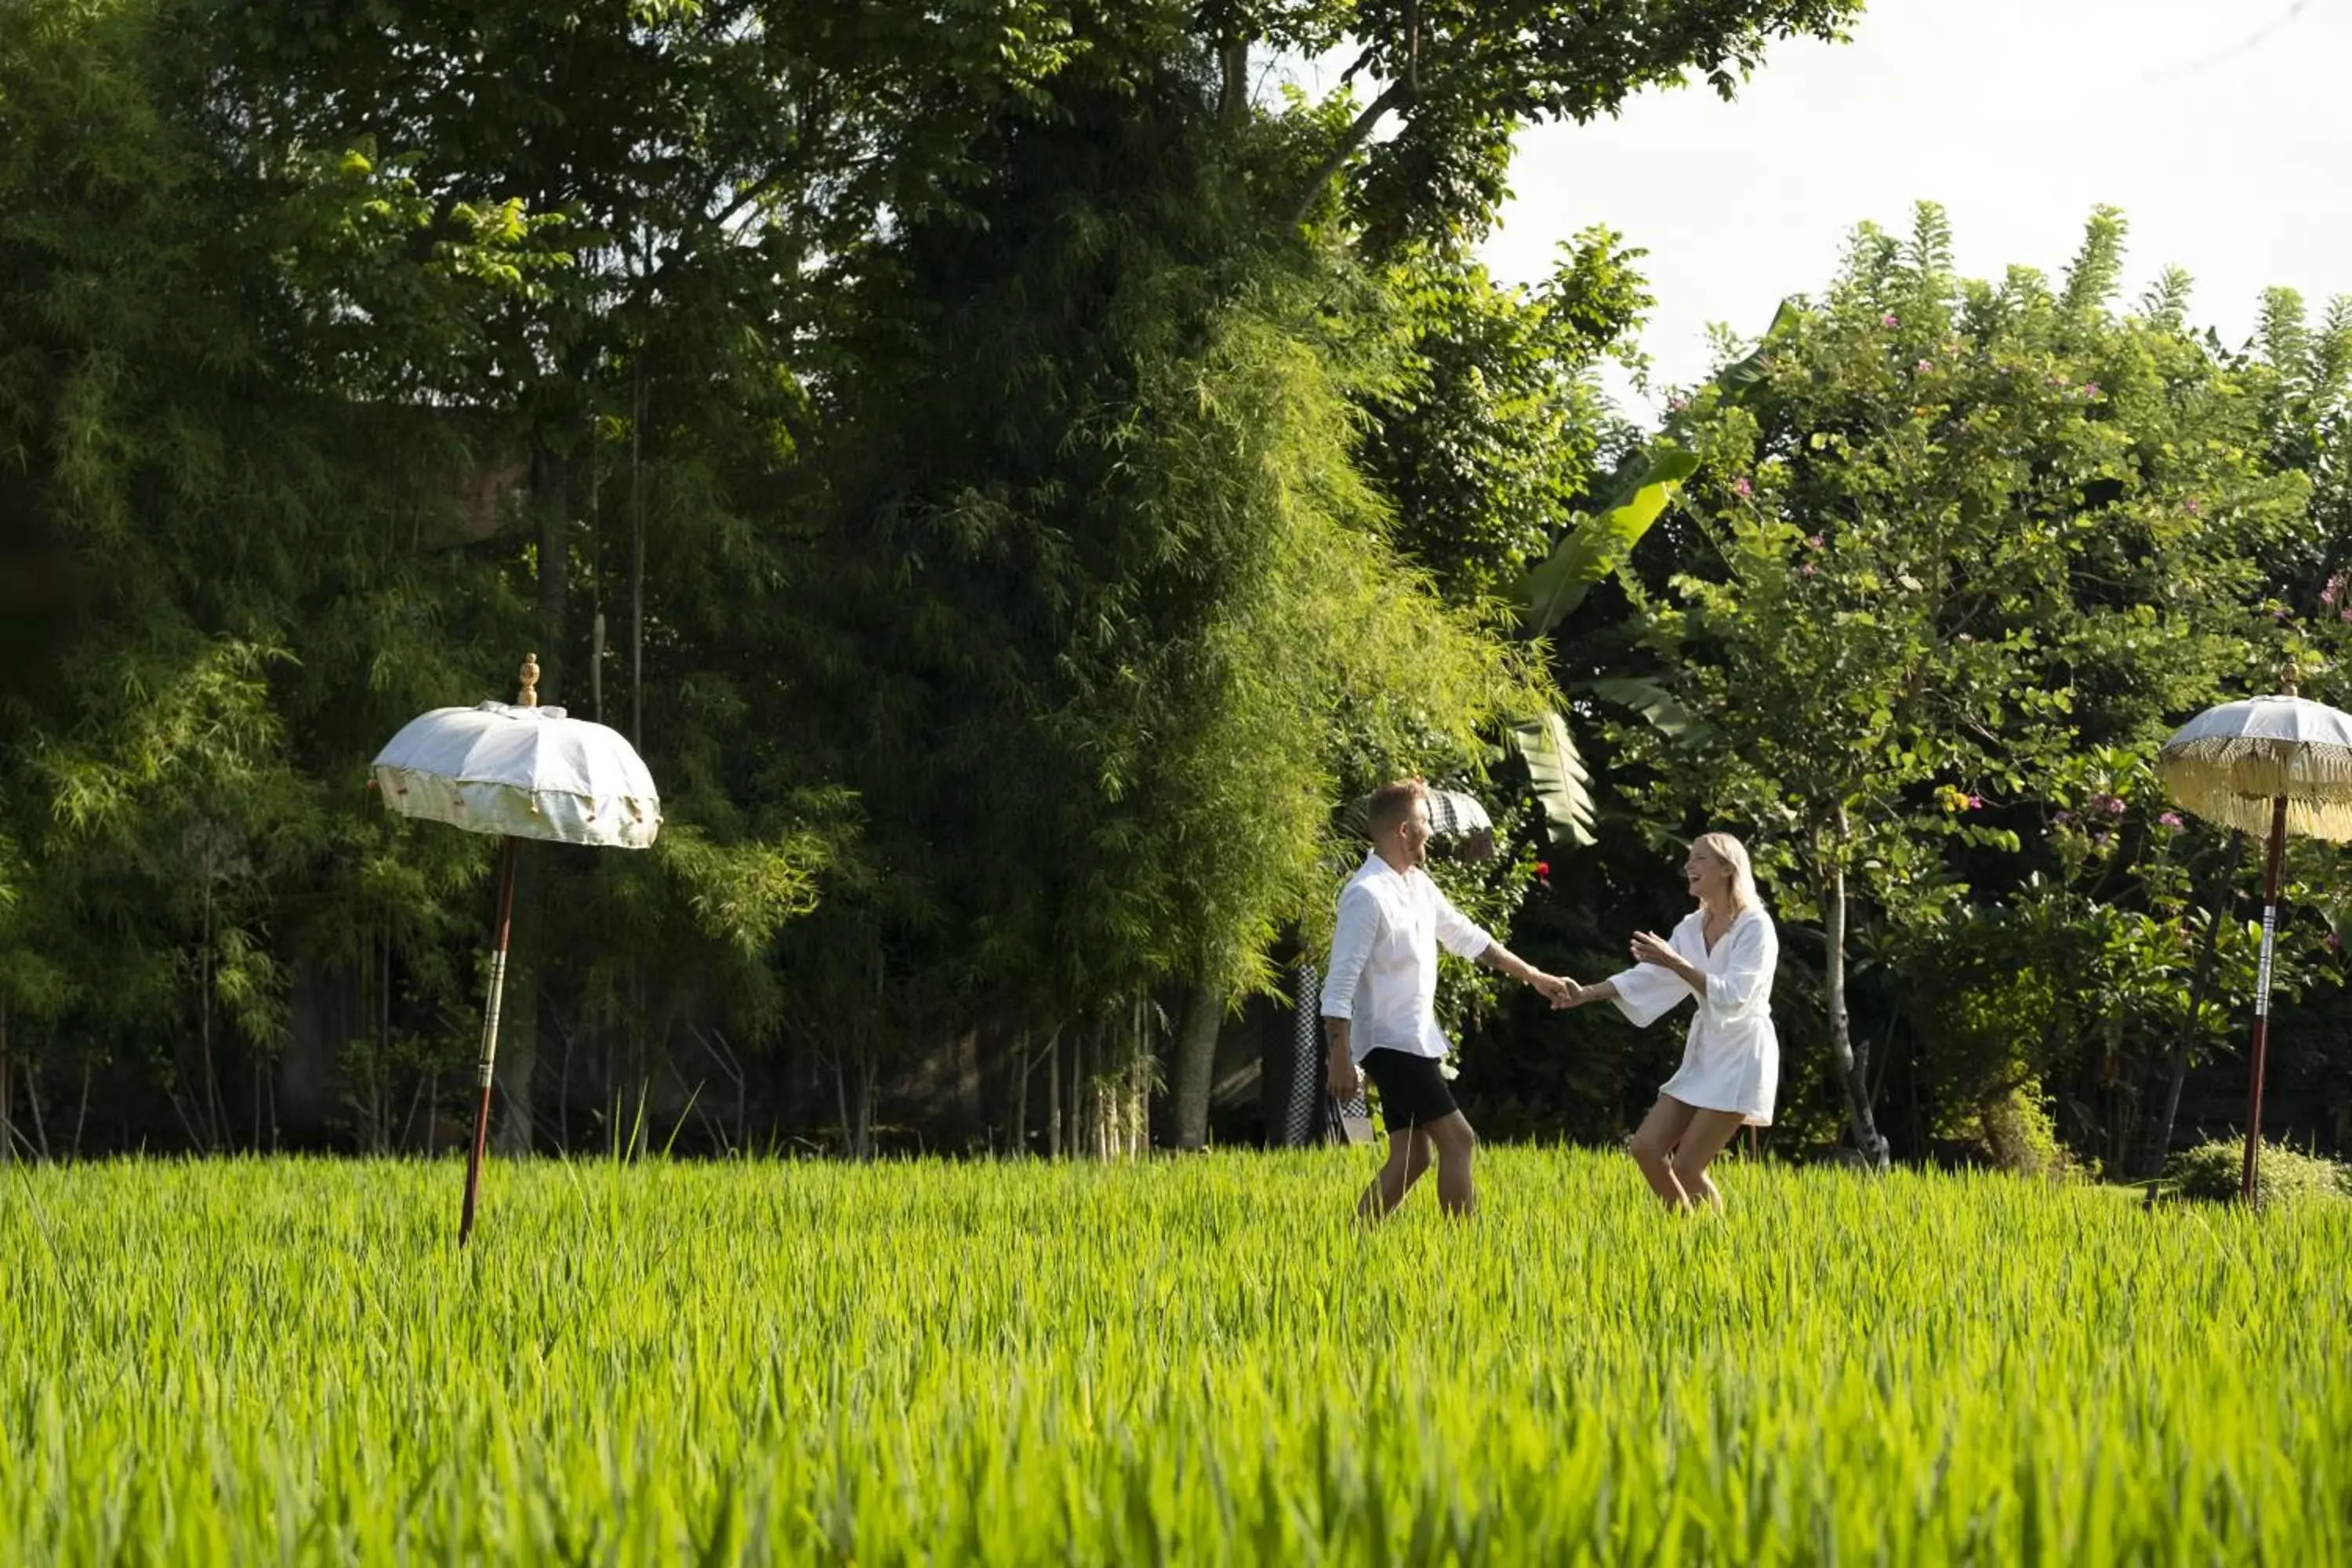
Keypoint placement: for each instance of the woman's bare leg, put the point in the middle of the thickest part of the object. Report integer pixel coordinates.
(1654, 1148)
(1706, 1135)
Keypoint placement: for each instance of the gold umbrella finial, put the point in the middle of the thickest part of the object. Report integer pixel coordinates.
(2290, 676)
(530, 673)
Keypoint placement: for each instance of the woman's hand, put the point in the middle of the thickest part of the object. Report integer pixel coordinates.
(1650, 948)
(1577, 995)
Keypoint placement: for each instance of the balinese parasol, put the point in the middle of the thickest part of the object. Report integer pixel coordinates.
(2279, 764)
(518, 772)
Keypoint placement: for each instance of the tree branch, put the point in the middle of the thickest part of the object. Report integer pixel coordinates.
(1398, 94)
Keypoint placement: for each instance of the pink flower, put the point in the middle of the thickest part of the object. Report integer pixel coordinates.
(2115, 806)
(1742, 487)
(2189, 506)
(2170, 819)
(1975, 803)
(1813, 539)
(2090, 389)
(1925, 365)
(2335, 586)
(2345, 614)
(1889, 319)
(1807, 570)
(1677, 404)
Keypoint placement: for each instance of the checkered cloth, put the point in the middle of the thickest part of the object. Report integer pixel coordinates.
(1454, 815)
(1461, 825)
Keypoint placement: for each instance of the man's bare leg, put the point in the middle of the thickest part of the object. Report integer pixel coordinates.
(1408, 1158)
(1455, 1143)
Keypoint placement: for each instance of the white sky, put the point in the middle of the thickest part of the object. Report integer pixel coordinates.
(2223, 128)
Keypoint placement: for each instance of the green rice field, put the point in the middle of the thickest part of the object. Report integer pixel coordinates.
(1202, 1359)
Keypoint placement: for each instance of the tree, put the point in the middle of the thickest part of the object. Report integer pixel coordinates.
(1960, 533)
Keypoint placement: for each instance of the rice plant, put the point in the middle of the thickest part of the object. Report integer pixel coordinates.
(1157, 1361)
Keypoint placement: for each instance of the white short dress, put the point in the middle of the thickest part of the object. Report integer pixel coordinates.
(1732, 1058)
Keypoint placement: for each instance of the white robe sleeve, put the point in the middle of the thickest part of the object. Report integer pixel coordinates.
(1740, 984)
(1646, 993)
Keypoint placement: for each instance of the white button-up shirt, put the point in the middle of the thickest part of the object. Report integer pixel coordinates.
(1383, 971)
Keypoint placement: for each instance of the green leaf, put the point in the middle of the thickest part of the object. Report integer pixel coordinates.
(1665, 711)
(1599, 543)
(1558, 774)
(1734, 380)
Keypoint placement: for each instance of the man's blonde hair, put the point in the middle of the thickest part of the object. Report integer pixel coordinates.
(1392, 803)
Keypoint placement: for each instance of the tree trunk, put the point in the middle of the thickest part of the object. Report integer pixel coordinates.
(7, 1107)
(1196, 1063)
(1357, 133)
(1138, 1104)
(33, 1104)
(517, 1062)
(1232, 65)
(1016, 1097)
(81, 1109)
(1054, 1097)
(1852, 1063)
(518, 1065)
(2157, 1142)
(637, 564)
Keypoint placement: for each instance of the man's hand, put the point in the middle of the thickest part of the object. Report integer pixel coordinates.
(1558, 988)
(1576, 996)
(1343, 1077)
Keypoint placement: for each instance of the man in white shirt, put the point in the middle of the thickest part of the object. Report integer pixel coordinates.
(1378, 1003)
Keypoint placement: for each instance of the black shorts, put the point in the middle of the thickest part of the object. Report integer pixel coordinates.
(1412, 1092)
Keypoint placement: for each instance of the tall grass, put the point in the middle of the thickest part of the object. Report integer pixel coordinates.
(289, 1361)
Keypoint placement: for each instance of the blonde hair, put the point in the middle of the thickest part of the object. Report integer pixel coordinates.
(1734, 854)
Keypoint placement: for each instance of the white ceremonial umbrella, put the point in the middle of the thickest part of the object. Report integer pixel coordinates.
(518, 771)
(2274, 764)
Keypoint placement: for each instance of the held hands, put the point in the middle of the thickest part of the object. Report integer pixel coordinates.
(1564, 992)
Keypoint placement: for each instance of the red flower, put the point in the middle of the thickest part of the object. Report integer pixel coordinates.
(1543, 868)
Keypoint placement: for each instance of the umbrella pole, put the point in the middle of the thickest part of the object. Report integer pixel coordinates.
(2261, 1033)
(509, 847)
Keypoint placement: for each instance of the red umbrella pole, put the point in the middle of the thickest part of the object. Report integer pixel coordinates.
(490, 1032)
(2262, 1035)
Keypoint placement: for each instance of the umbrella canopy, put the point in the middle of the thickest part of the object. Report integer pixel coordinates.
(525, 772)
(2231, 765)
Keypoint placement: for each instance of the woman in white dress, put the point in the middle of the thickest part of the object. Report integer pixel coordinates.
(1723, 954)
